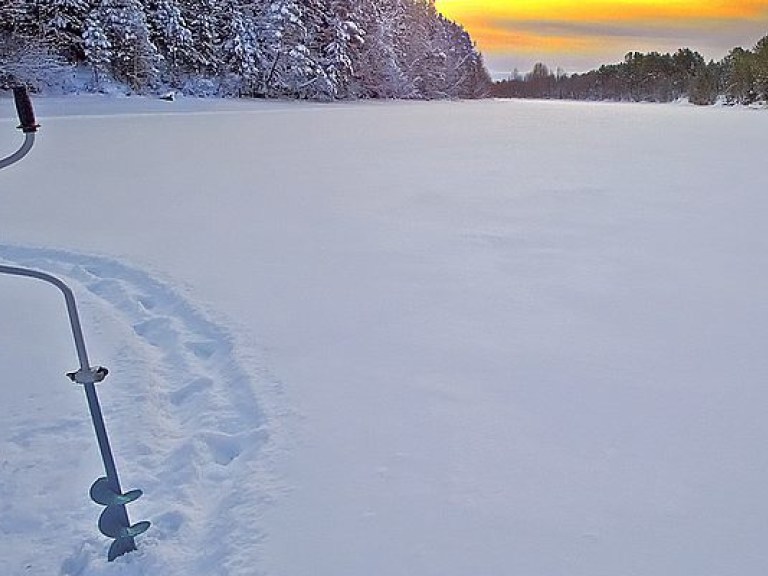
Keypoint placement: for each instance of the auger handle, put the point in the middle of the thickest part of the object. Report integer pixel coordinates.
(28, 125)
(24, 110)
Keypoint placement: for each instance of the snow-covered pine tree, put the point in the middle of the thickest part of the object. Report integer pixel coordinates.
(134, 57)
(7, 16)
(425, 57)
(478, 82)
(63, 24)
(169, 32)
(22, 17)
(97, 47)
(202, 24)
(465, 74)
(273, 28)
(760, 65)
(380, 73)
(310, 79)
(286, 31)
(238, 51)
(342, 38)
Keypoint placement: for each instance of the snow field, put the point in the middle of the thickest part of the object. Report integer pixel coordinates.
(523, 337)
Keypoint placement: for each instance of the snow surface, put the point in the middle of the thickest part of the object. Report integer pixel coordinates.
(452, 338)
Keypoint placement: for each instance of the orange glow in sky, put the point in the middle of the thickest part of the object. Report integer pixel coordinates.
(582, 34)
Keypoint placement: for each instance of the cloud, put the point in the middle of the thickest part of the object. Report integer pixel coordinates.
(606, 11)
(595, 30)
(582, 34)
(546, 35)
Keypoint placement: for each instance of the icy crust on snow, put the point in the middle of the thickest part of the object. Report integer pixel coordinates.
(187, 429)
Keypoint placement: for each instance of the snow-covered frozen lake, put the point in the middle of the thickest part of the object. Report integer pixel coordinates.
(387, 339)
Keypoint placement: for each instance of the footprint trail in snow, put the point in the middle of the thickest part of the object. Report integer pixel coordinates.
(183, 413)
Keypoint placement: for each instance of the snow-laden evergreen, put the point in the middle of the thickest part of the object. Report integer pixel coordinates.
(320, 49)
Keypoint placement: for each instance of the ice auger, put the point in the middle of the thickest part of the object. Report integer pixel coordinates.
(106, 491)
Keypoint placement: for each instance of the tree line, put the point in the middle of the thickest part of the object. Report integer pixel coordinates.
(739, 78)
(319, 49)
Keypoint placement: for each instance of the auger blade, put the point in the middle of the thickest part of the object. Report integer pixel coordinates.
(112, 521)
(124, 541)
(102, 493)
(119, 547)
(136, 529)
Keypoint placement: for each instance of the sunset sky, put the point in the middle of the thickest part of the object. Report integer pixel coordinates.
(579, 35)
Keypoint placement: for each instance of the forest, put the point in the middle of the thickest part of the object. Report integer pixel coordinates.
(739, 78)
(314, 49)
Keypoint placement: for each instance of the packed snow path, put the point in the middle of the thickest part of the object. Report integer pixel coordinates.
(183, 398)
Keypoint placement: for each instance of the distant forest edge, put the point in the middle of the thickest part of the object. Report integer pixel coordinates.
(317, 49)
(739, 78)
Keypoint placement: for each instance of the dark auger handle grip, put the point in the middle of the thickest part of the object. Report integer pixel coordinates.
(24, 110)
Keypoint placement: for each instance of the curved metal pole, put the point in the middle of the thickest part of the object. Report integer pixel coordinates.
(29, 140)
(69, 298)
(88, 377)
(85, 367)
(27, 124)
